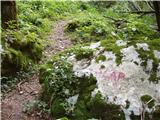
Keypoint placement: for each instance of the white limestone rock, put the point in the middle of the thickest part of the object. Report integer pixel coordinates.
(126, 82)
(144, 46)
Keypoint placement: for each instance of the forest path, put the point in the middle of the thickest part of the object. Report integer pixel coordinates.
(29, 89)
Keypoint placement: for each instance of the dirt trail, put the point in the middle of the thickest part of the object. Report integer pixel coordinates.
(61, 41)
(12, 104)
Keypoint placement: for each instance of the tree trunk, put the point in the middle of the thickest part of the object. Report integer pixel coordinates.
(8, 13)
(157, 11)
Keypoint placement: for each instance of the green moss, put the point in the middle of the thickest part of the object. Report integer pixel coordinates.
(57, 109)
(83, 53)
(145, 55)
(111, 46)
(20, 50)
(100, 58)
(14, 58)
(153, 77)
(87, 84)
(100, 109)
(89, 26)
(97, 105)
(81, 111)
(45, 70)
(153, 44)
(146, 98)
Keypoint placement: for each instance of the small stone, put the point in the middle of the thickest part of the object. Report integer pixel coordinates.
(21, 92)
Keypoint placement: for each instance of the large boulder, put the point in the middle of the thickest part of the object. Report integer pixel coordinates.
(108, 80)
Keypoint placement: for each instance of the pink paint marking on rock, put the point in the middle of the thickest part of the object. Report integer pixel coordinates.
(114, 76)
(121, 76)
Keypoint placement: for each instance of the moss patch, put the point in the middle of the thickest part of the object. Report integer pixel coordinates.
(146, 98)
(145, 56)
(14, 59)
(111, 46)
(100, 58)
(57, 109)
(82, 53)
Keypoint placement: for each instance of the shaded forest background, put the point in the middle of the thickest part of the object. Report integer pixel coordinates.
(26, 26)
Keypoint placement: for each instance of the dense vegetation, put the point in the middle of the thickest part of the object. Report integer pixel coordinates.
(94, 24)
(22, 46)
(91, 22)
(88, 22)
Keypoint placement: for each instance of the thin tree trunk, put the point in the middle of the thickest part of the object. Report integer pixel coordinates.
(8, 13)
(157, 11)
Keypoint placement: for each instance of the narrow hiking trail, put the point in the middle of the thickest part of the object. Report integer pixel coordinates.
(60, 40)
(29, 89)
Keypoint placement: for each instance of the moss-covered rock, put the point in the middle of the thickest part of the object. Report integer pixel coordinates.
(82, 53)
(13, 60)
(88, 28)
(112, 46)
(71, 88)
(72, 96)
(20, 50)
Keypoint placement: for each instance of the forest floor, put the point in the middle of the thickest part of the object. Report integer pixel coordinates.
(29, 89)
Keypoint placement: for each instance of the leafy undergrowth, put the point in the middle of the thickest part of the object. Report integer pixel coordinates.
(23, 43)
(91, 25)
(10, 82)
(38, 107)
(67, 95)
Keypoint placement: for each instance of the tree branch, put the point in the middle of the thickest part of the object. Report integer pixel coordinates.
(138, 12)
